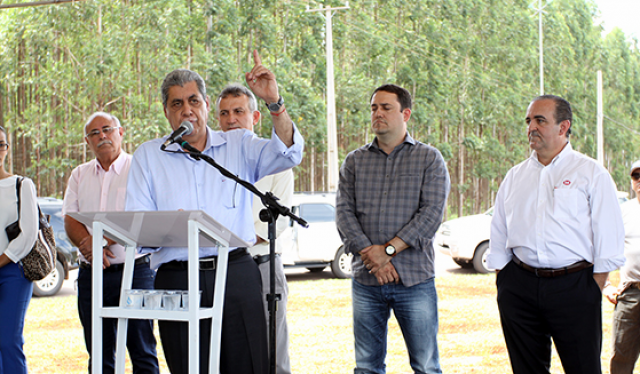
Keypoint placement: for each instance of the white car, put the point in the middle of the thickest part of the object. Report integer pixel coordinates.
(466, 239)
(319, 245)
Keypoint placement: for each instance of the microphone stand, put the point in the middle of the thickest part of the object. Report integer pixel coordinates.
(270, 214)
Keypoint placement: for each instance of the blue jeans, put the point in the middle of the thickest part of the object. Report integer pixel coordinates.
(15, 294)
(415, 308)
(141, 343)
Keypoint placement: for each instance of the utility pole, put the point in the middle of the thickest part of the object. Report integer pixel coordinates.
(539, 10)
(600, 120)
(332, 136)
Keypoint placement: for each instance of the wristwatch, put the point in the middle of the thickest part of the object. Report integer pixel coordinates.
(105, 243)
(275, 107)
(390, 250)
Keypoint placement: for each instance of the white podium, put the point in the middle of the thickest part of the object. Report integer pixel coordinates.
(190, 229)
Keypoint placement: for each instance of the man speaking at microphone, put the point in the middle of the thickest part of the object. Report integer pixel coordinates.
(171, 180)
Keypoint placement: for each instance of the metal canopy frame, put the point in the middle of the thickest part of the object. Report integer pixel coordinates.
(35, 3)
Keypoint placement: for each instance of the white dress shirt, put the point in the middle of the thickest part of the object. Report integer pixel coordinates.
(553, 216)
(281, 185)
(22, 244)
(92, 189)
(630, 272)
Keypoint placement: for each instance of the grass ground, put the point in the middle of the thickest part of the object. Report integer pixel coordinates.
(470, 338)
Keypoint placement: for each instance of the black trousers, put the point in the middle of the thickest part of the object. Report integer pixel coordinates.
(244, 331)
(535, 310)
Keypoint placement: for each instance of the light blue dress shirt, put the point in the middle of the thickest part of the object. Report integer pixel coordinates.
(165, 181)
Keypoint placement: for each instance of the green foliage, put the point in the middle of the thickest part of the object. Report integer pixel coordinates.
(471, 66)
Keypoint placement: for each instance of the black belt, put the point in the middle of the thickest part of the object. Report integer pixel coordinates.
(206, 263)
(550, 273)
(262, 259)
(116, 267)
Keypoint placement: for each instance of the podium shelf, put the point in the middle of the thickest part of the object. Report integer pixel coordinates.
(159, 314)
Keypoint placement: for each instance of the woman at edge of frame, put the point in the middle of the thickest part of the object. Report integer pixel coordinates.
(15, 289)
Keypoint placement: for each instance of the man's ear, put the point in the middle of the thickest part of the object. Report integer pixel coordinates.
(406, 114)
(564, 127)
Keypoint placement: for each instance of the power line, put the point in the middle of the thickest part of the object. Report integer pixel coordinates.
(622, 125)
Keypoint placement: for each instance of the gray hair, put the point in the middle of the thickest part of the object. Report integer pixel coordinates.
(180, 77)
(237, 90)
(105, 115)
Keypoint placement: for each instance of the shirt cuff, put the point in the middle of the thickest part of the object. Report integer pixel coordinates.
(608, 265)
(497, 261)
(357, 244)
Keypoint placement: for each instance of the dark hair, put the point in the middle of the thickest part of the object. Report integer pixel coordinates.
(563, 109)
(3, 130)
(404, 97)
(180, 77)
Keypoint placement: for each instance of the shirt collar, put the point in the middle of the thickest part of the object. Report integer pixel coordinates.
(373, 146)
(116, 165)
(566, 150)
(214, 139)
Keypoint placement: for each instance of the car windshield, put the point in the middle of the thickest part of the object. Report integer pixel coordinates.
(317, 212)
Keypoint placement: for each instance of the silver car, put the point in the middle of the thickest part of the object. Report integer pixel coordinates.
(319, 245)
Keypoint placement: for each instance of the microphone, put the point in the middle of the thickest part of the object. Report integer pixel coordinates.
(185, 128)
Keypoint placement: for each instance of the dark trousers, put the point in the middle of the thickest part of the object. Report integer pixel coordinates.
(626, 331)
(244, 331)
(535, 310)
(141, 343)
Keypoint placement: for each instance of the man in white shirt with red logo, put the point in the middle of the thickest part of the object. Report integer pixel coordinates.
(626, 297)
(556, 233)
(100, 185)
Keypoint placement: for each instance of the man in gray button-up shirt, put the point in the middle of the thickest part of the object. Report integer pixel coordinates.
(391, 197)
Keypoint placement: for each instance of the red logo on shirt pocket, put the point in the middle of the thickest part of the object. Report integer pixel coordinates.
(566, 182)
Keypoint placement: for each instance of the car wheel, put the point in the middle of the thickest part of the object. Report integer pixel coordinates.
(480, 259)
(316, 270)
(52, 283)
(465, 264)
(341, 264)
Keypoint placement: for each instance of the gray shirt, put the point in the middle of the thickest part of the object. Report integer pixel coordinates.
(381, 196)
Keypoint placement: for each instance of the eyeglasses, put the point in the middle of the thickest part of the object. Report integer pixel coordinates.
(104, 130)
(4, 146)
(635, 176)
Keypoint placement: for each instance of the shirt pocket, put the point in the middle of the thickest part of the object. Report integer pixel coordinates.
(408, 187)
(565, 204)
(229, 193)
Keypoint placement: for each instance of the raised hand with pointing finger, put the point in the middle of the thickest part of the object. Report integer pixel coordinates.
(264, 85)
(262, 81)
